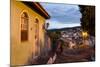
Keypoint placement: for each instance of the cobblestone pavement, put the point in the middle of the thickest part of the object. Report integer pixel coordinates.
(76, 55)
(68, 56)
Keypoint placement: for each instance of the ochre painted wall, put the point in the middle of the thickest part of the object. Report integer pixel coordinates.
(21, 51)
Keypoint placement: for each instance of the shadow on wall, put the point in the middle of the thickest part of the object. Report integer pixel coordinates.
(41, 58)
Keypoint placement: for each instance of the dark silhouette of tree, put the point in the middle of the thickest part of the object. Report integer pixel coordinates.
(54, 35)
(88, 18)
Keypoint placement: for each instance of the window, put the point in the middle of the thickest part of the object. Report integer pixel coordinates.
(24, 27)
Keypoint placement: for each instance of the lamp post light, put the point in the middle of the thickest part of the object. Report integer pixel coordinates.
(85, 35)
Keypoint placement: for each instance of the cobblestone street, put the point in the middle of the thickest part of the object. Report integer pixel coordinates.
(75, 55)
(68, 56)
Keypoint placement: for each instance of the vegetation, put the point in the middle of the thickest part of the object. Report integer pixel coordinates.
(88, 18)
(54, 35)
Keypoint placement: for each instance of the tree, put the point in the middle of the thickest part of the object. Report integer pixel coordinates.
(88, 18)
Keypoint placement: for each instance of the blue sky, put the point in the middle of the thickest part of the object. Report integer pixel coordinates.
(62, 15)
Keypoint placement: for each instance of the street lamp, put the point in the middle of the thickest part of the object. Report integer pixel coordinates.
(85, 35)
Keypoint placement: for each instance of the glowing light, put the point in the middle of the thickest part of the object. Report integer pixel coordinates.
(85, 34)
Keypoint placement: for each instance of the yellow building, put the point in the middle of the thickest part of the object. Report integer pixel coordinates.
(27, 31)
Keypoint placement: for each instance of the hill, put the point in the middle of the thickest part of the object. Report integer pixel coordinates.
(63, 29)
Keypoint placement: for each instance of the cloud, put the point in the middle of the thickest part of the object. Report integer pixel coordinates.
(57, 25)
(62, 13)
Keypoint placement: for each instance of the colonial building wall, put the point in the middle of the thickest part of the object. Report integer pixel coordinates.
(21, 51)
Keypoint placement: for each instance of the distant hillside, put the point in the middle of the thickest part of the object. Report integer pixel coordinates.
(63, 29)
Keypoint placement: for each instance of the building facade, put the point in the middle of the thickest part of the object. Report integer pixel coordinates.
(27, 31)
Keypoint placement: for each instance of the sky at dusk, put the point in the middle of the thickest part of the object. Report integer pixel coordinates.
(62, 15)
